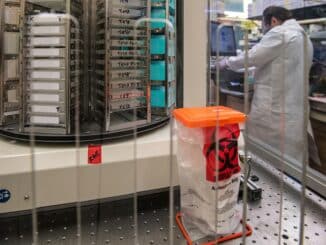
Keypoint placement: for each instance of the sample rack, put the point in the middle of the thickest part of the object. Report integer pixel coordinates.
(163, 57)
(9, 61)
(102, 63)
(51, 66)
(122, 64)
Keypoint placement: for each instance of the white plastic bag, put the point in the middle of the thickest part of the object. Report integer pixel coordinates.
(207, 211)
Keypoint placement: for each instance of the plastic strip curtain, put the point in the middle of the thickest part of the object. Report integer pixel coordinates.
(245, 131)
(245, 170)
(282, 138)
(171, 30)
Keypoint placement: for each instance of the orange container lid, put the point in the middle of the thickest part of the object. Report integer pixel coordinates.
(201, 117)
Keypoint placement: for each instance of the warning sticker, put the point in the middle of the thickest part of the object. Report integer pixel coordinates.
(94, 154)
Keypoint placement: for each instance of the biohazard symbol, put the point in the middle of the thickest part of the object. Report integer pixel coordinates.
(227, 158)
(94, 154)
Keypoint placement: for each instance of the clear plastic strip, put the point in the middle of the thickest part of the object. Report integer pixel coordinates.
(246, 110)
(305, 136)
(69, 19)
(217, 100)
(33, 185)
(77, 134)
(171, 185)
(282, 141)
(171, 29)
(31, 138)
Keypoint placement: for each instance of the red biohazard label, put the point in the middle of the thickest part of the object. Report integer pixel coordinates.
(94, 154)
(225, 162)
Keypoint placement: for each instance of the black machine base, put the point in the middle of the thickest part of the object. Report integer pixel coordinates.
(90, 132)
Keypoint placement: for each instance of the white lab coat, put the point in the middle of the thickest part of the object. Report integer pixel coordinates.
(276, 120)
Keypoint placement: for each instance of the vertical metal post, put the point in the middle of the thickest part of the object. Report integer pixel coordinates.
(217, 92)
(77, 26)
(167, 60)
(135, 195)
(217, 78)
(171, 187)
(86, 60)
(2, 24)
(32, 129)
(21, 64)
(246, 109)
(106, 67)
(92, 57)
(67, 71)
(33, 183)
(282, 142)
(209, 71)
(148, 61)
(172, 34)
(305, 140)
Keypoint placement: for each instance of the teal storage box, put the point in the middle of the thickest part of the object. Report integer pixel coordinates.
(158, 13)
(172, 6)
(158, 71)
(158, 1)
(158, 44)
(158, 96)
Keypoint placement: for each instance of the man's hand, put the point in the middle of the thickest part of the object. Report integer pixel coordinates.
(223, 64)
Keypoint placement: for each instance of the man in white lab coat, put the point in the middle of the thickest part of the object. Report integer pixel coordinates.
(276, 120)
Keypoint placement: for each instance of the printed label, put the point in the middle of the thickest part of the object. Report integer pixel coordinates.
(4, 195)
(94, 154)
